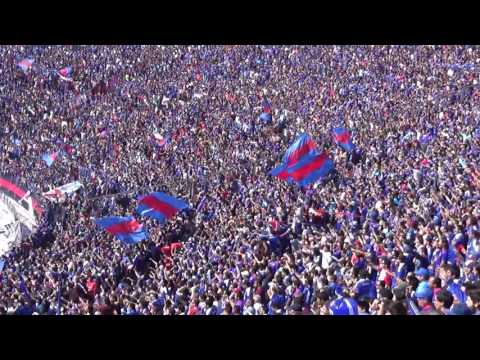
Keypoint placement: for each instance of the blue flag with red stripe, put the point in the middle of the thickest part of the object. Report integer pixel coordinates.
(302, 163)
(25, 64)
(160, 206)
(126, 229)
(342, 137)
(302, 146)
(266, 115)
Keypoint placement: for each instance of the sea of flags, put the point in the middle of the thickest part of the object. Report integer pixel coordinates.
(342, 137)
(303, 164)
(156, 205)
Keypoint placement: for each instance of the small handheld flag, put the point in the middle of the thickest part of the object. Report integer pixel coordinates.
(49, 158)
(65, 73)
(25, 64)
(160, 206)
(342, 138)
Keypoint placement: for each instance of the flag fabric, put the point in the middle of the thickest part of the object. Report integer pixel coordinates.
(201, 203)
(160, 140)
(266, 115)
(160, 206)
(63, 190)
(49, 158)
(301, 147)
(309, 169)
(342, 138)
(126, 229)
(302, 163)
(267, 108)
(25, 64)
(65, 73)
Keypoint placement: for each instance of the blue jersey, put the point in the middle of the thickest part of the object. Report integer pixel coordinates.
(343, 306)
(366, 288)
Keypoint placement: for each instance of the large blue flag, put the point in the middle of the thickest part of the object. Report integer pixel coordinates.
(126, 229)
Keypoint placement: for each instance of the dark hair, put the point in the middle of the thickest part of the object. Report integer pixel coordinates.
(399, 293)
(397, 308)
(228, 308)
(323, 296)
(363, 303)
(437, 282)
(446, 298)
(386, 293)
(413, 282)
(454, 270)
(475, 296)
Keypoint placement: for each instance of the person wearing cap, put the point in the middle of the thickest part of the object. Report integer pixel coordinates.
(343, 305)
(424, 295)
(422, 274)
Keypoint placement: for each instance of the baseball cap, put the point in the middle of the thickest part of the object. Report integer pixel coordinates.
(460, 309)
(424, 291)
(422, 272)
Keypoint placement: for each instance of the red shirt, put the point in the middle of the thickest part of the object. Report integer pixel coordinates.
(92, 286)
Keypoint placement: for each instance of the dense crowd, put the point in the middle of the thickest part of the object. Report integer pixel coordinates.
(393, 230)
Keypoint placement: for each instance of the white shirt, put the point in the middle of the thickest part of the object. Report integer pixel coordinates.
(326, 259)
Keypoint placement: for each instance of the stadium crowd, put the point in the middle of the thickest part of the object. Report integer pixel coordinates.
(395, 229)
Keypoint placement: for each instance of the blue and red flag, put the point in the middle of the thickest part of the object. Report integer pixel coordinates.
(302, 163)
(49, 158)
(301, 147)
(266, 115)
(267, 107)
(160, 206)
(342, 137)
(126, 229)
(66, 73)
(25, 64)
(309, 169)
(160, 140)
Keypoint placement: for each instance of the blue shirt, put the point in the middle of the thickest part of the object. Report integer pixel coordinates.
(344, 306)
(366, 287)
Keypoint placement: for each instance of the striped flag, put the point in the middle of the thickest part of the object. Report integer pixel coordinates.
(342, 138)
(26, 64)
(302, 163)
(160, 206)
(126, 229)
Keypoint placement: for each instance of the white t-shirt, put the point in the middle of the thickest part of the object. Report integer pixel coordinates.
(326, 259)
